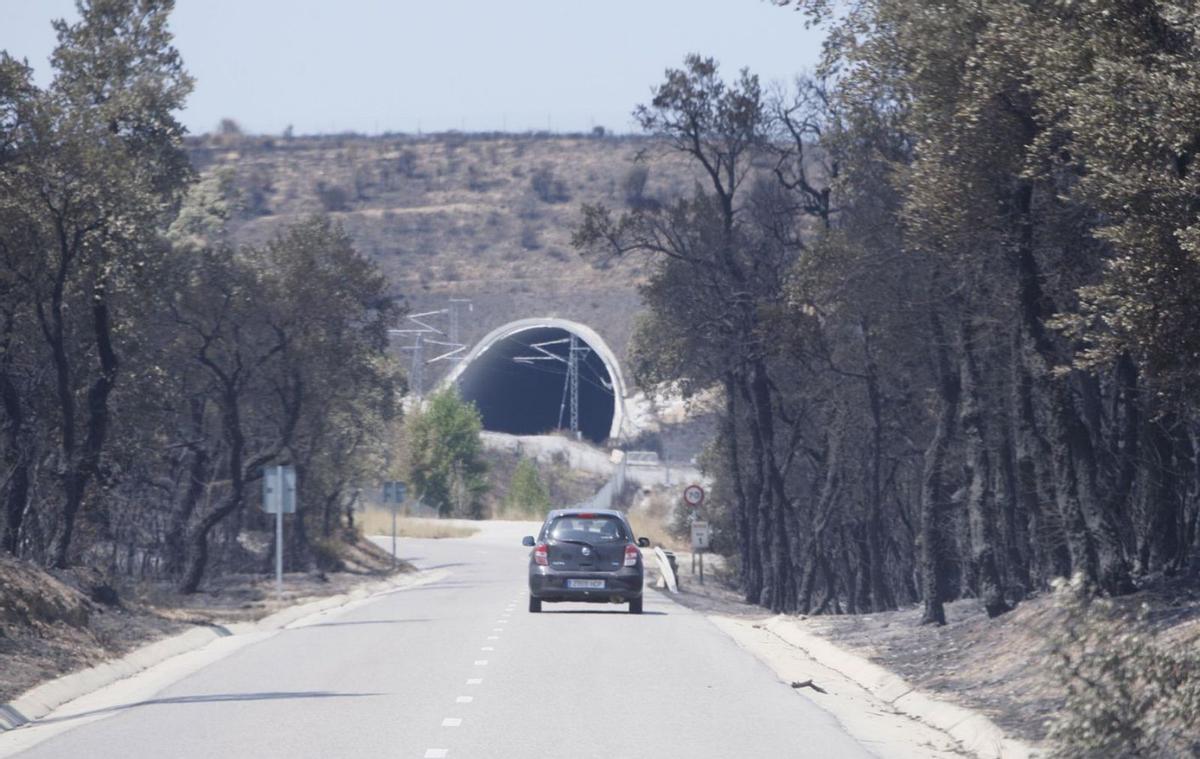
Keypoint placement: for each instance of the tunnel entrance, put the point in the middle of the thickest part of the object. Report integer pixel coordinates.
(518, 379)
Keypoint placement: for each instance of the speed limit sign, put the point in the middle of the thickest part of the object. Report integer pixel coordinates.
(693, 495)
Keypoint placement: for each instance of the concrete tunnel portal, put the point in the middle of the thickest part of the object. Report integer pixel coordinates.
(517, 378)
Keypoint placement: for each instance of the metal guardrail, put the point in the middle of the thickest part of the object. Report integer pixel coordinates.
(641, 458)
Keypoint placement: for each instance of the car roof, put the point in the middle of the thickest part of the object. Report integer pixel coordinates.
(576, 511)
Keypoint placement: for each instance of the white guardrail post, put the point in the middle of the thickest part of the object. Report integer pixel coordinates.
(664, 566)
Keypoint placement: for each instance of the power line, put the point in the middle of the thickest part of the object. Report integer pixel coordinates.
(574, 350)
(420, 331)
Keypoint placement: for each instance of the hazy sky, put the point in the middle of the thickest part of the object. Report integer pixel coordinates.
(377, 65)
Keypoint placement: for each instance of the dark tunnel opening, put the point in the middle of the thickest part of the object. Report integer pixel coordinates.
(531, 397)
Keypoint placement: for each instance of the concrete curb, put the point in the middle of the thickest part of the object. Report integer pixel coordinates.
(39, 701)
(973, 730)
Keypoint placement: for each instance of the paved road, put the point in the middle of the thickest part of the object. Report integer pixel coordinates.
(458, 668)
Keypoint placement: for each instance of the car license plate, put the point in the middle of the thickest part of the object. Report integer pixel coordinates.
(586, 584)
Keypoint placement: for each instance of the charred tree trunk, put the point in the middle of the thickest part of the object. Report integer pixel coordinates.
(1051, 557)
(17, 453)
(197, 481)
(236, 468)
(880, 594)
(934, 499)
(1014, 537)
(981, 500)
(84, 467)
(743, 517)
(779, 573)
(1092, 533)
(1164, 539)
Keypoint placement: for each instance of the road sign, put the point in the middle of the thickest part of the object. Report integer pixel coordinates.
(693, 495)
(279, 490)
(394, 492)
(279, 498)
(701, 536)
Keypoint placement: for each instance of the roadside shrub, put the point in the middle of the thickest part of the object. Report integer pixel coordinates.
(633, 188)
(332, 197)
(530, 238)
(633, 184)
(1129, 691)
(527, 496)
(256, 192)
(547, 187)
(408, 163)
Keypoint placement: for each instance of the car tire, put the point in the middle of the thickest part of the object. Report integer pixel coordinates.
(535, 605)
(635, 606)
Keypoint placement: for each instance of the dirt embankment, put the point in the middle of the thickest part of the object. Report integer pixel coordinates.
(55, 623)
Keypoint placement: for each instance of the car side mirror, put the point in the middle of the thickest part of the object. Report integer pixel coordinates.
(527, 540)
(644, 542)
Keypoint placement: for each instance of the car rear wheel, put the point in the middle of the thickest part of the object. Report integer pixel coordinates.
(635, 606)
(535, 604)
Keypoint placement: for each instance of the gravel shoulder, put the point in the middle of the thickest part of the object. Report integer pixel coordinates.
(996, 667)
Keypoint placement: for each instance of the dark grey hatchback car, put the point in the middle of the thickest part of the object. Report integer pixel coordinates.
(584, 555)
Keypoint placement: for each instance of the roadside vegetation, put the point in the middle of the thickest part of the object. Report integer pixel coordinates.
(947, 287)
(443, 455)
(376, 521)
(526, 496)
(150, 368)
(912, 410)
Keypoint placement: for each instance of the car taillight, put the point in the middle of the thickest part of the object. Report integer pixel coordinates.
(632, 554)
(541, 555)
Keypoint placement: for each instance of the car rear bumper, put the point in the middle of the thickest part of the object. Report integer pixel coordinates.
(547, 584)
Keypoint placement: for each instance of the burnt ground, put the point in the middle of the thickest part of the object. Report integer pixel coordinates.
(52, 624)
(996, 666)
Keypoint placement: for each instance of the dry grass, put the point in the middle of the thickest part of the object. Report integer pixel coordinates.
(647, 526)
(379, 522)
(49, 627)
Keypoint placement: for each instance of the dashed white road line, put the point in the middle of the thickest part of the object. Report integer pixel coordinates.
(464, 699)
(475, 681)
(488, 648)
(452, 722)
(481, 662)
(493, 637)
(437, 753)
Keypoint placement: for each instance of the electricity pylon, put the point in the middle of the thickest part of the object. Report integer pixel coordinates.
(421, 332)
(571, 382)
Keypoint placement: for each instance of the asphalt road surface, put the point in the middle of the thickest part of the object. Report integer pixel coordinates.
(459, 668)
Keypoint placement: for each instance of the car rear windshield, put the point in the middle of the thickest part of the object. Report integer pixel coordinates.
(592, 528)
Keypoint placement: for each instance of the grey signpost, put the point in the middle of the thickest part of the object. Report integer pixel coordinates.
(393, 493)
(693, 497)
(279, 498)
(701, 536)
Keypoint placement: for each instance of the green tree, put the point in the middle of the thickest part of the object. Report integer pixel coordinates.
(527, 495)
(445, 455)
(104, 165)
(288, 342)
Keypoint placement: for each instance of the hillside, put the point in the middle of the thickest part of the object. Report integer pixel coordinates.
(484, 217)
